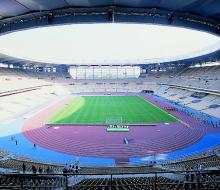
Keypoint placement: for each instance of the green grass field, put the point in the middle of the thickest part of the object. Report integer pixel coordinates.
(99, 109)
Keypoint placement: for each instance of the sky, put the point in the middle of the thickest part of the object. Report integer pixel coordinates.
(110, 43)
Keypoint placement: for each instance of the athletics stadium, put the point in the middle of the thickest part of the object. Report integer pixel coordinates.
(109, 94)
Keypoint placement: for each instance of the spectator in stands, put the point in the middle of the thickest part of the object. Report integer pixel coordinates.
(48, 170)
(192, 175)
(51, 170)
(23, 167)
(70, 168)
(65, 169)
(201, 167)
(187, 174)
(34, 170)
(40, 170)
(73, 168)
(77, 169)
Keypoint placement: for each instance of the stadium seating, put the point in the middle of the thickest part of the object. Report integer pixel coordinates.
(125, 183)
(25, 90)
(16, 181)
(209, 161)
(199, 77)
(21, 92)
(184, 97)
(207, 181)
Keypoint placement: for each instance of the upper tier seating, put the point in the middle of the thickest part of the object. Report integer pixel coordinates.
(199, 77)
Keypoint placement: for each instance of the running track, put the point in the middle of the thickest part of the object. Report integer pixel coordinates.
(94, 141)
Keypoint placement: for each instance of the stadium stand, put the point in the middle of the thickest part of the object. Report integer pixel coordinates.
(21, 92)
(201, 77)
(26, 181)
(145, 183)
(207, 181)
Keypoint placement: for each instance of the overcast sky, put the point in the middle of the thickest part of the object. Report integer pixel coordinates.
(99, 42)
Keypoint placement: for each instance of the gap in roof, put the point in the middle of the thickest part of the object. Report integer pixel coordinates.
(106, 43)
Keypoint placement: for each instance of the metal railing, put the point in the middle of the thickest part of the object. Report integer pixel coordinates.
(150, 180)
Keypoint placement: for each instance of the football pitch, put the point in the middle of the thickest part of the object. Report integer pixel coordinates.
(107, 109)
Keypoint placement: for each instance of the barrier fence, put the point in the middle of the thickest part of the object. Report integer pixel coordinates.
(207, 179)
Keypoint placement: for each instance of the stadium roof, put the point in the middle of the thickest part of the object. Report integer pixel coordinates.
(21, 14)
(200, 14)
